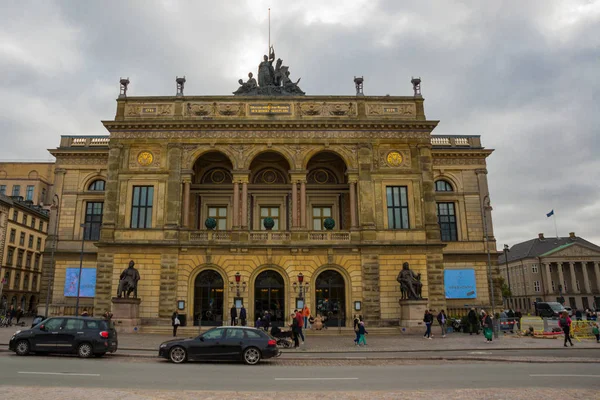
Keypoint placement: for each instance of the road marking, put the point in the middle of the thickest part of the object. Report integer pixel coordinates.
(57, 373)
(566, 375)
(480, 352)
(355, 358)
(315, 379)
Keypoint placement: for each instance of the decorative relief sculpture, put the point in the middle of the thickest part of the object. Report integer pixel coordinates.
(407, 110)
(326, 109)
(394, 159)
(272, 81)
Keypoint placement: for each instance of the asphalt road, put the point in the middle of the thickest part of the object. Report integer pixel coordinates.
(98, 373)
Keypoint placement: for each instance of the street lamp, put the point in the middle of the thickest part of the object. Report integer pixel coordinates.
(80, 268)
(506, 250)
(484, 209)
(55, 204)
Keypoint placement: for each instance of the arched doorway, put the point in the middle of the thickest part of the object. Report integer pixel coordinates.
(208, 298)
(331, 297)
(269, 295)
(32, 303)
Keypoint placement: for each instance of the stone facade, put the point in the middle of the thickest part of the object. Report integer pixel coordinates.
(30, 180)
(370, 163)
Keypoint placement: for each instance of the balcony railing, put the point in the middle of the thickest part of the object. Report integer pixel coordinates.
(268, 236)
(455, 141)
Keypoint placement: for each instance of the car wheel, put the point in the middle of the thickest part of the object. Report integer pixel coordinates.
(251, 356)
(84, 350)
(98, 355)
(22, 348)
(178, 354)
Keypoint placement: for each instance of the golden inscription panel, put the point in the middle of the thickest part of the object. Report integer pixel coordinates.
(261, 109)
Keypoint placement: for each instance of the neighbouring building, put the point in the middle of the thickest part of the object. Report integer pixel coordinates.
(273, 202)
(24, 228)
(30, 180)
(564, 269)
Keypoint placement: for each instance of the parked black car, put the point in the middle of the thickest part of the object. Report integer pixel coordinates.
(246, 344)
(84, 336)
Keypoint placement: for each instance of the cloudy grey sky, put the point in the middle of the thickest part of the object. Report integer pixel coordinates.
(522, 74)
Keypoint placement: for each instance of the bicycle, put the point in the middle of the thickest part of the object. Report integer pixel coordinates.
(5, 322)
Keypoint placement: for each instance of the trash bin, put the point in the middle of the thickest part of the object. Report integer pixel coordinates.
(182, 319)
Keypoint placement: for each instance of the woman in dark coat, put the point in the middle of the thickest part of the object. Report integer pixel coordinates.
(175, 322)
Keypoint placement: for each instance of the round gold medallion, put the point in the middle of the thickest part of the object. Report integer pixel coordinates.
(145, 158)
(394, 159)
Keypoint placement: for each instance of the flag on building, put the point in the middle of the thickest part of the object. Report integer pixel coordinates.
(551, 213)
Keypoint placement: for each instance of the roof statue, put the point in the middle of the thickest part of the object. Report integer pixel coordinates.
(271, 81)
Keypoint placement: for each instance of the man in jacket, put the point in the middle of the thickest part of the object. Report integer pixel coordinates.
(428, 319)
(243, 316)
(565, 323)
(300, 319)
(294, 326)
(441, 318)
(233, 315)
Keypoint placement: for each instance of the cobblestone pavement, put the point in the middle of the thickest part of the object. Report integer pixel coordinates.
(19, 393)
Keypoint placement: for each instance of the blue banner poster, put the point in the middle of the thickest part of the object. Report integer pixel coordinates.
(460, 284)
(88, 282)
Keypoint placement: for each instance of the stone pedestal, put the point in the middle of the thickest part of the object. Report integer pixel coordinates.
(411, 315)
(126, 314)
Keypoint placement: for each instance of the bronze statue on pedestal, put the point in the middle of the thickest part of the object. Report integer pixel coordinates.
(410, 283)
(128, 281)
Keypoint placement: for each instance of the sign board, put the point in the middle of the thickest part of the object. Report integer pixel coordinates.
(258, 109)
(88, 282)
(460, 284)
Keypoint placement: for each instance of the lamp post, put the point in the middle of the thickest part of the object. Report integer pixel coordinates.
(506, 250)
(487, 248)
(80, 268)
(238, 276)
(55, 204)
(300, 280)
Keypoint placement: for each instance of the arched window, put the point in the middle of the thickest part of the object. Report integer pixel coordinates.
(443, 186)
(97, 185)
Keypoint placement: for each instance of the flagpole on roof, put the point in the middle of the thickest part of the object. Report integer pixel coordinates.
(555, 229)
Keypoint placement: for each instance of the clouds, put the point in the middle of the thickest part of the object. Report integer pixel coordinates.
(523, 75)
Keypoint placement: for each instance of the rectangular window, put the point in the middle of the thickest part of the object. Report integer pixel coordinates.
(9, 256)
(24, 219)
(553, 287)
(29, 195)
(3, 189)
(30, 245)
(397, 207)
(32, 223)
(93, 220)
(16, 190)
(13, 235)
(15, 216)
(534, 268)
(577, 286)
(572, 303)
(141, 208)
(220, 215)
(42, 226)
(447, 222)
(585, 303)
(36, 263)
(39, 244)
(320, 214)
(20, 255)
(536, 286)
(22, 239)
(28, 259)
(269, 212)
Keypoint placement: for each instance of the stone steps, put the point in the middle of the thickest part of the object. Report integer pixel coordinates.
(332, 331)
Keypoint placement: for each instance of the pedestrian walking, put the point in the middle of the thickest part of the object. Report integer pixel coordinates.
(488, 327)
(266, 322)
(306, 314)
(578, 315)
(428, 319)
(518, 316)
(243, 316)
(19, 314)
(356, 323)
(442, 319)
(300, 324)
(596, 332)
(233, 314)
(362, 331)
(11, 313)
(175, 322)
(295, 327)
(565, 323)
(473, 322)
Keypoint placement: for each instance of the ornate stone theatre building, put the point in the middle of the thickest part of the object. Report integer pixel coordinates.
(274, 201)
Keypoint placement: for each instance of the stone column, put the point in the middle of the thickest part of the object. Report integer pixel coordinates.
(573, 277)
(586, 279)
(236, 205)
(302, 204)
(186, 203)
(174, 196)
(561, 277)
(353, 218)
(111, 192)
(597, 273)
(294, 204)
(548, 288)
(244, 221)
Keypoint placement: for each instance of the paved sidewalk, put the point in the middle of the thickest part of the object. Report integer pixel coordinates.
(379, 343)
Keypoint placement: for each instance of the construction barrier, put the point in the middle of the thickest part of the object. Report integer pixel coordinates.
(537, 323)
(582, 330)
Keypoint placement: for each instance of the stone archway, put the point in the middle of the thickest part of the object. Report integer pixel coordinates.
(269, 296)
(209, 298)
(330, 297)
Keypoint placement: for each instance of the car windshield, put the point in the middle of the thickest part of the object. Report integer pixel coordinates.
(41, 322)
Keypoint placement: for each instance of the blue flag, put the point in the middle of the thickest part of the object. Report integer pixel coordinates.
(551, 213)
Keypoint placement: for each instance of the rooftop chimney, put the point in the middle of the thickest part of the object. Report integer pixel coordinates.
(572, 235)
(541, 236)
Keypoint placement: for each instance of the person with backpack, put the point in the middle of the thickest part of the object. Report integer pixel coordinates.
(442, 319)
(428, 319)
(565, 323)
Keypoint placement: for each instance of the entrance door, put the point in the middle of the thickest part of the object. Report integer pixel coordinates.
(208, 299)
(269, 296)
(331, 297)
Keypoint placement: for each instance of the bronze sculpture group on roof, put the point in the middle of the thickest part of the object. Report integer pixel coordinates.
(272, 81)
